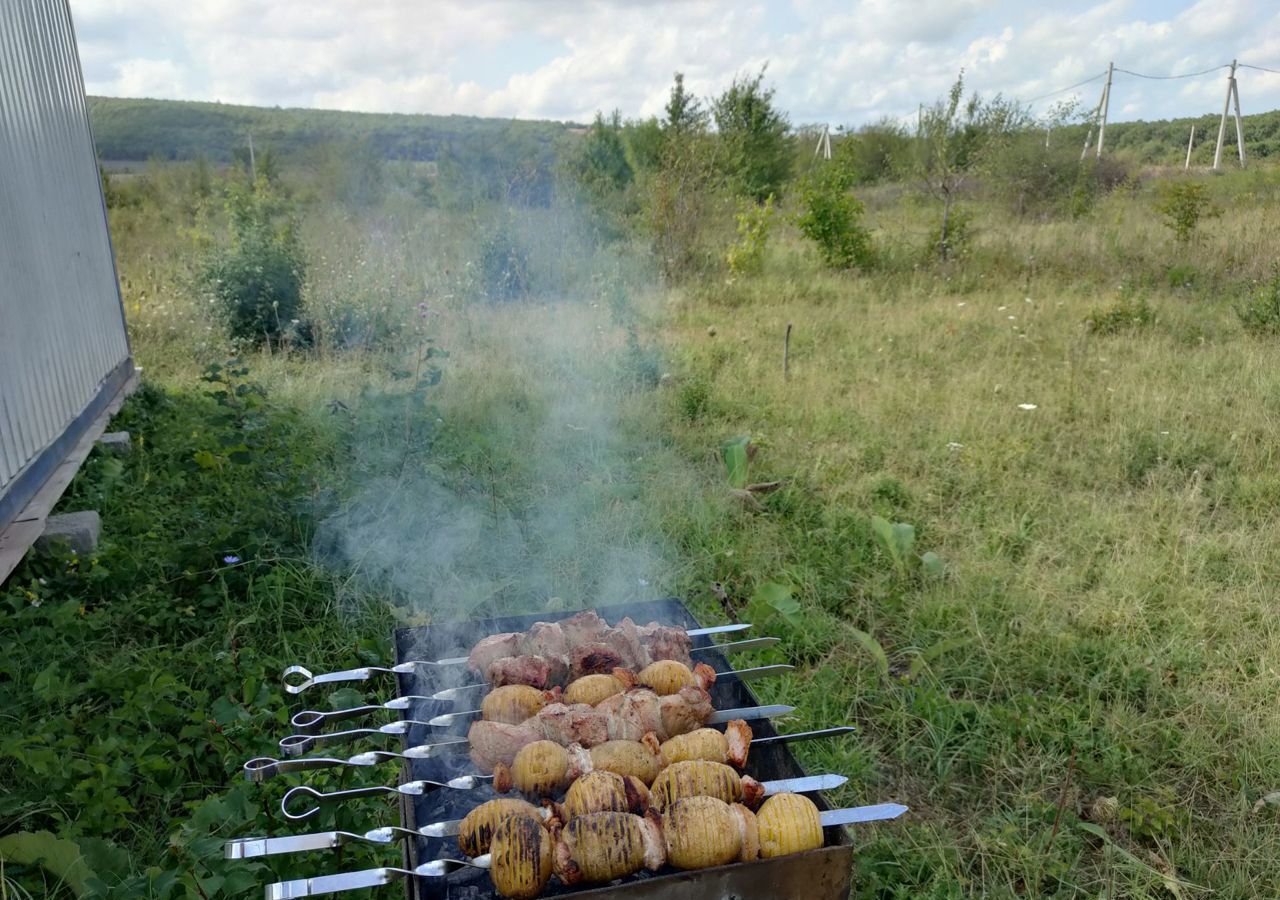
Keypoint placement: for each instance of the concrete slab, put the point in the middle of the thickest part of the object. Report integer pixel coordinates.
(79, 530)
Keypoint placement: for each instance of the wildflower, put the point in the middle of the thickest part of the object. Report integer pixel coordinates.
(1001, 308)
(1026, 406)
(1011, 318)
(960, 304)
(953, 446)
(231, 559)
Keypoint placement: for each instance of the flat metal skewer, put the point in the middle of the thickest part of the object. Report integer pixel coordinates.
(261, 768)
(246, 848)
(308, 679)
(327, 884)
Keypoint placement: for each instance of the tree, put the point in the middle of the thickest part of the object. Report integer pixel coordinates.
(753, 133)
(600, 164)
(950, 141)
(684, 111)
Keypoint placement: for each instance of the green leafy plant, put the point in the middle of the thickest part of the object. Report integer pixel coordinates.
(1184, 204)
(736, 455)
(898, 541)
(1260, 314)
(257, 278)
(773, 600)
(746, 256)
(1126, 314)
(831, 217)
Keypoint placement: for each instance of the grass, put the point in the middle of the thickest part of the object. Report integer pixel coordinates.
(1078, 703)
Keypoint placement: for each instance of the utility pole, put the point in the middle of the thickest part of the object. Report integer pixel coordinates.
(1233, 93)
(824, 144)
(1191, 140)
(253, 166)
(1106, 103)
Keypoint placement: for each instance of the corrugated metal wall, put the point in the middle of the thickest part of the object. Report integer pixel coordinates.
(62, 336)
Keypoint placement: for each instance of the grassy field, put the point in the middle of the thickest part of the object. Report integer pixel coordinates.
(1069, 675)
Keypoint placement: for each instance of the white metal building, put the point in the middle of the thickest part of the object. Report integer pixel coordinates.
(64, 353)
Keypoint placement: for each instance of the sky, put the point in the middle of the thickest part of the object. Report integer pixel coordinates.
(838, 63)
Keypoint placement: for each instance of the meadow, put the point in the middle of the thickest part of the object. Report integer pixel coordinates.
(1022, 536)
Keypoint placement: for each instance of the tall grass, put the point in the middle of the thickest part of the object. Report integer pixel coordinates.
(1080, 704)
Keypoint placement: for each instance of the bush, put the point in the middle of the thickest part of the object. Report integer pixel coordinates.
(747, 255)
(681, 203)
(257, 278)
(1125, 314)
(831, 217)
(1183, 204)
(1260, 314)
(504, 265)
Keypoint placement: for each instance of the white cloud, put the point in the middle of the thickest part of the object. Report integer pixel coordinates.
(840, 61)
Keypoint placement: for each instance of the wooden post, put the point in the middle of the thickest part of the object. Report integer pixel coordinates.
(786, 354)
(1191, 140)
(1106, 104)
(1235, 94)
(1222, 125)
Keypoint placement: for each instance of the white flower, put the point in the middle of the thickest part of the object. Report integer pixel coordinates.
(1027, 300)
(1011, 318)
(954, 446)
(1026, 406)
(1001, 308)
(959, 304)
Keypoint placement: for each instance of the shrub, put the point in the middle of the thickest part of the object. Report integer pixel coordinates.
(1183, 204)
(831, 217)
(504, 265)
(1260, 314)
(753, 131)
(257, 278)
(1125, 314)
(747, 255)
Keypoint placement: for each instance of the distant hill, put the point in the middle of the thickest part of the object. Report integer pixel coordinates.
(1164, 142)
(127, 129)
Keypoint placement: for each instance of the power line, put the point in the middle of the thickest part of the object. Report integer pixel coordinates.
(1170, 77)
(1260, 68)
(1071, 88)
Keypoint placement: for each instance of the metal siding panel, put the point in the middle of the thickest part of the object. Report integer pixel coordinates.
(61, 321)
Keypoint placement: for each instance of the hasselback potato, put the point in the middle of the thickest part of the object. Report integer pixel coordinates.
(702, 831)
(522, 853)
(704, 743)
(476, 830)
(603, 846)
(702, 778)
(635, 758)
(666, 676)
(788, 823)
(512, 703)
(602, 791)
(593, 689)
(540, 768)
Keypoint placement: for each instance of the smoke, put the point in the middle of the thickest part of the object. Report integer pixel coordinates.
(519, 483)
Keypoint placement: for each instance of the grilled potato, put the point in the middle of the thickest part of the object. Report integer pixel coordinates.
(540, 768)
(593, 689)
(476, 831)
(512, 703)
(704, 743)
(788, 823)
(666, 676)
(602, 791)
(522, 853)
(700, 832)
(602, 846)
(636, 758)
(703, 778)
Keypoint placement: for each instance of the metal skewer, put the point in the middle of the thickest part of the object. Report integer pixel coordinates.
(262, 767)
(692, 632)
(245, 848)
(363, 673)
(325, 884)
(309, 721)
(347, 881)
(409, 788)
(447, 719)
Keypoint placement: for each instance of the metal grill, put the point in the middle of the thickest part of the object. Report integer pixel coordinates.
(820, 873)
